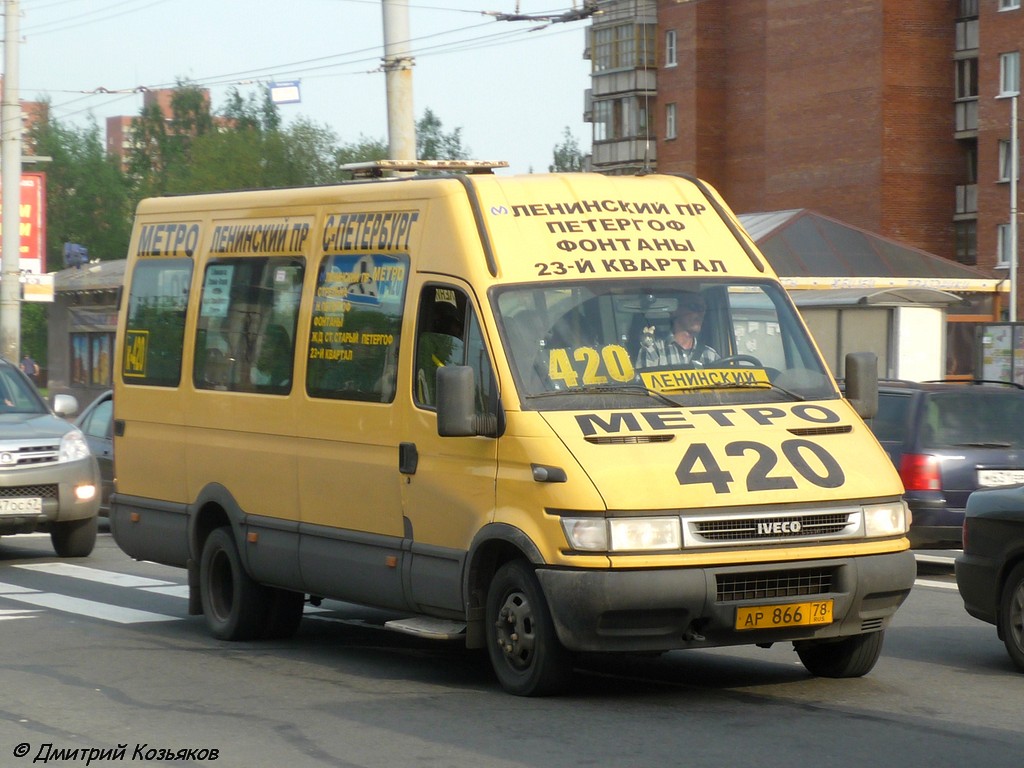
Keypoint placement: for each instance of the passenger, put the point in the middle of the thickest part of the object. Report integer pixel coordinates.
(274, 364)
(682, 346)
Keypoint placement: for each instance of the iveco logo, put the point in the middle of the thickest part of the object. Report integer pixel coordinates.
(7, 458)
(778, 527)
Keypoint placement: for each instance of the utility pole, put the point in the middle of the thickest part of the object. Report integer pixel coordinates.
(398, 71)
(10, 192)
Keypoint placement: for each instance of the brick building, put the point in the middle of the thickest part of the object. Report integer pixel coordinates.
(888, 114)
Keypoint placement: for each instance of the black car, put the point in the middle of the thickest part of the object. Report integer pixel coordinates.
(96, 423)
(948, 439)
(990, 571)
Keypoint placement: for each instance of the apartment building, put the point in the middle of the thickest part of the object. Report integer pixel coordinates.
(893, 116)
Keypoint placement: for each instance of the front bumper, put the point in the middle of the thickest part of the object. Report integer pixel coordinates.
(666, 609)
(55, 484)
(977, 579)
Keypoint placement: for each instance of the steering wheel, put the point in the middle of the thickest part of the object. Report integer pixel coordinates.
(733, 360)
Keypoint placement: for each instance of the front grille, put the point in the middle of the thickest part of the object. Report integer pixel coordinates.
(772, 584)
(628, 439)
(29, 454)
(23, 491)
(755, 528)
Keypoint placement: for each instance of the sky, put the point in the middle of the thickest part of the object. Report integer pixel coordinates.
(511, 87)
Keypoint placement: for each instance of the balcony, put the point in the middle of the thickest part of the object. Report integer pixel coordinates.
(966, 201)
(966, 118)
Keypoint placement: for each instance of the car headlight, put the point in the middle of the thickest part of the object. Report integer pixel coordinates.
(623, 534)
(891, 519)
(73, 446)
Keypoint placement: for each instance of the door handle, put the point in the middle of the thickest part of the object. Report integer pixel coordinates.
(408, 458)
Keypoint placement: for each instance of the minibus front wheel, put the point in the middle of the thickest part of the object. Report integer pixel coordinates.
(234, 605)
(525, 652)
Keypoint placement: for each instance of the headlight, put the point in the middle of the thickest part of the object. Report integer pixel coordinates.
(73, 446)
(623, 534)
(892, 519)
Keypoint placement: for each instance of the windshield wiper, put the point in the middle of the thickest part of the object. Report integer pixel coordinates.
(610, 389)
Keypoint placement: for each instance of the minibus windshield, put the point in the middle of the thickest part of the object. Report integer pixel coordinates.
(614, 343)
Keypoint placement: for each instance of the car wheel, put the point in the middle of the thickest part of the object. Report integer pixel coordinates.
(1011, 616)
(847, 657)
(74, 538)
(525, 652)
(235, 606)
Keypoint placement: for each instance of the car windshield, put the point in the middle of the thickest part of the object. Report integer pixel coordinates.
(972, 417)
(686, 341)
(16, 394)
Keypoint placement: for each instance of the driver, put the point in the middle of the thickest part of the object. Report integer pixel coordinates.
(681, 346)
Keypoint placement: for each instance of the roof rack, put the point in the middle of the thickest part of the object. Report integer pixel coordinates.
(375, 169)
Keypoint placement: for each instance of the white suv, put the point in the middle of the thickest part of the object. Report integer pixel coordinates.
(49, 481)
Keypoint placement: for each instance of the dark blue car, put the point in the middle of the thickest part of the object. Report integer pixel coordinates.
(948, 439)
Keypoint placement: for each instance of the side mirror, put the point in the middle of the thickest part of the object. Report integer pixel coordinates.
(65, 405)
(456, 410)
(862, 383)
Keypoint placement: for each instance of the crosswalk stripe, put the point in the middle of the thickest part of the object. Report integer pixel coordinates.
(90, 608)
(93, 574)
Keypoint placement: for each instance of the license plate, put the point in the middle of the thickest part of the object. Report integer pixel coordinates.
(787, 615)
(988, 478)
(32, 505)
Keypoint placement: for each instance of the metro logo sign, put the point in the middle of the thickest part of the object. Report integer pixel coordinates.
(33, 223)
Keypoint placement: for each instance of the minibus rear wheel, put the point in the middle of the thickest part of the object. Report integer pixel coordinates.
(525, 652)
(234, 605)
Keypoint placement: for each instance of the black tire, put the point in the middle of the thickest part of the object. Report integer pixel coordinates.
(235, 606)
(74, 538)
(284, 613)
(525, 652)
(1011, 616)
(847, 657)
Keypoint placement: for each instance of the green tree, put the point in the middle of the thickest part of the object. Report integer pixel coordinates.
(432, 143)
(87, 197)
(567, 154)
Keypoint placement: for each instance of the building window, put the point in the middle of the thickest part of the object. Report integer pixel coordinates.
(617, 119)
(1009, 5)
(1004, 248)
(670, 48)
(1009, 73)
(670, 121)
(967, 242)
(966, 78)
(1005, 159)
(623, 46)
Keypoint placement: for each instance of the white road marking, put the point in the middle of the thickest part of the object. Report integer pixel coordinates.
(93, 574)
(16, 613)
(936, 584)
(91, 608)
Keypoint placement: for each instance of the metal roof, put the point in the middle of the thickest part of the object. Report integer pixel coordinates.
(802, 243)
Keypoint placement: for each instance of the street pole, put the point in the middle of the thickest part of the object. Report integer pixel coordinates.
(398, 71)
(10, 192)
(1014, 166)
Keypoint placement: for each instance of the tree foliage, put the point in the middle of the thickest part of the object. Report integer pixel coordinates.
(243, 145)
(567, 157)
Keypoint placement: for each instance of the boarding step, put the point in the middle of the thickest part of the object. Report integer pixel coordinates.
(424, 626)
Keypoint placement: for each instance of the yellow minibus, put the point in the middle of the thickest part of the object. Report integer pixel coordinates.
(541, 414)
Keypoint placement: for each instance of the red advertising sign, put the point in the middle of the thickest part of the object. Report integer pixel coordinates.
(33, 223)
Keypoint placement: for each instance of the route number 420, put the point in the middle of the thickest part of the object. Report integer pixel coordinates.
(808, 460)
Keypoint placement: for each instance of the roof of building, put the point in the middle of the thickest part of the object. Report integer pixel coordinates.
(802, 243)
(94, 276)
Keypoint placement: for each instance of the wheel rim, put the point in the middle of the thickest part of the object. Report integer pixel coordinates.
(516, 635)
(221, 585)
(1016, 623)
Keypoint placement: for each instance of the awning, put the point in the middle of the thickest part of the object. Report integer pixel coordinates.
(881, 297)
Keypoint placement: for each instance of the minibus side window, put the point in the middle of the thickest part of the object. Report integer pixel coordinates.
(245, 335)
(155, 330)
(448, 333)
(355, 327)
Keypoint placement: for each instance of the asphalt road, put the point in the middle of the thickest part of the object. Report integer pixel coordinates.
(100, 653)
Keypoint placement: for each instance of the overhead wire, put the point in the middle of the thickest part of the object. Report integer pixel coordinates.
(316, 65)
